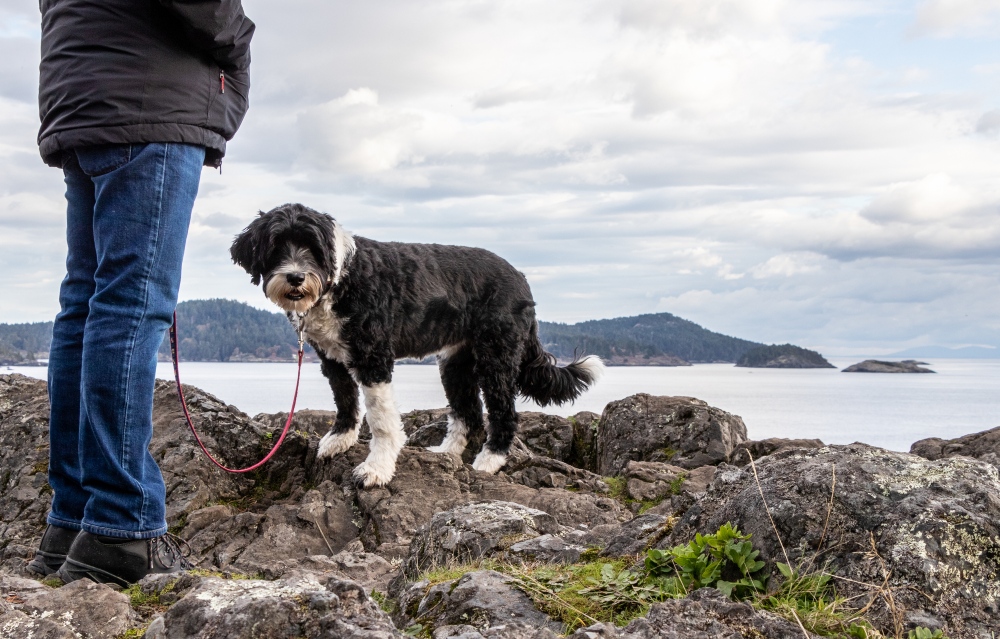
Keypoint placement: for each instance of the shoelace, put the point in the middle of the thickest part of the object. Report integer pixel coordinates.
(173, 546)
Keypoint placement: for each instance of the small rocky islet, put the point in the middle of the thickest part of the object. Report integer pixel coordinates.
(881, 366)
(587, 508)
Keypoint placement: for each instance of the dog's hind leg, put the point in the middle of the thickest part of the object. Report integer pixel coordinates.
(344, 433)
(498, 376)
(388, 436)
(461, 387)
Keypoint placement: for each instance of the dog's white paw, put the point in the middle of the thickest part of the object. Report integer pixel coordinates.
(449, 446)
(336, 443)
(370, 473)
(489, 462)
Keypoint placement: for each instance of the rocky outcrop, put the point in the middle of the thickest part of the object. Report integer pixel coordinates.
(760, 448)
(924, 532)
(296, 550)
(706, 614)
(481, 599)
(682, 431)
(879, 366)
(783, 356)
(427, 483)
(304, 605)
(24, 460)
(467, 533)
(984, 445)
(81, 609)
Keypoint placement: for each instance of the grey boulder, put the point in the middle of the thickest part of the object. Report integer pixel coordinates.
(682, 431)
(928, 530)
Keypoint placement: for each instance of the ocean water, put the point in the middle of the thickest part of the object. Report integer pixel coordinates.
(891, 411)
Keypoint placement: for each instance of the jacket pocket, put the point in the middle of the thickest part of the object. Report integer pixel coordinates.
(104, 158)
(230, 102)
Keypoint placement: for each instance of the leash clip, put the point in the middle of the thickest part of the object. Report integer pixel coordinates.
(298, 321)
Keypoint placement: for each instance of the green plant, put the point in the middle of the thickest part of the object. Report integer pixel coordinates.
(725, 560)
(387, 605)
(616, 487)
(676, 483)
(621, 590)
(924, 633)
(810, 599)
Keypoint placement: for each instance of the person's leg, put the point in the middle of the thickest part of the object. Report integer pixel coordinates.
(142, 210)
(66, 351)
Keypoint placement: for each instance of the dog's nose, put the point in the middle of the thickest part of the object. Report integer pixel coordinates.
(295, 279)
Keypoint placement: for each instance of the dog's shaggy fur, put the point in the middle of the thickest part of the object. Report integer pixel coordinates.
(363, 304)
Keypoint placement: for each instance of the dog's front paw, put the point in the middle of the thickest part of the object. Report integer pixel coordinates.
(489, 462)
(369, 474)
(336, 443)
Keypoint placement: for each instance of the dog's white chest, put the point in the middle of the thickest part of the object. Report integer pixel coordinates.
(322, 327)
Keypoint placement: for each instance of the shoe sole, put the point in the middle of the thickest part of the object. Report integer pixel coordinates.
(73, 570)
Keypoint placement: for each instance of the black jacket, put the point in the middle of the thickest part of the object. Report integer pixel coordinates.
(133, 71)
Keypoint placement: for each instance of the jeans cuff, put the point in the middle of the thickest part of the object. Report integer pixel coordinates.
(124, 534)
(62, 523)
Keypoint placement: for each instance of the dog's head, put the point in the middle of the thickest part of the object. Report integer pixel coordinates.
(295, 252)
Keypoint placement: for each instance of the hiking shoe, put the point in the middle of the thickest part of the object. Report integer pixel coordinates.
(123, 561)
(51, 550)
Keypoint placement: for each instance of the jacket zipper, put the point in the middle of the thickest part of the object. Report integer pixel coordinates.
(222, 83)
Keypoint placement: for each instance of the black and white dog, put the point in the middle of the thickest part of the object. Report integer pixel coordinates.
(363, 304)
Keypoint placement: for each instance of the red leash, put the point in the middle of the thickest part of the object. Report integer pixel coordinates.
(187, 415)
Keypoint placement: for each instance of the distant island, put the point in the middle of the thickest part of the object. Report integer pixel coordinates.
(219, 330)
(783, 356)
(880, 366)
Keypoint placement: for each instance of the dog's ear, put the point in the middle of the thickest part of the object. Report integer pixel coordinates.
(251, 248)
(333, 245)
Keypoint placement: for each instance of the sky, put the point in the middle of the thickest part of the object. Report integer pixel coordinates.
(820, 172)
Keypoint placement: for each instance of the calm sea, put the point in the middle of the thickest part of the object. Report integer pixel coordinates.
(891, 411)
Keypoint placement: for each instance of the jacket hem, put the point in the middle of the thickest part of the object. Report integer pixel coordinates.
(53, 146)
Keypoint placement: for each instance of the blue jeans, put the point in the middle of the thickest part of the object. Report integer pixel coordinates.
(129, 207)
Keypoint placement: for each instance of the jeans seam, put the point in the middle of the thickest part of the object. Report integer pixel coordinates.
(150, 258)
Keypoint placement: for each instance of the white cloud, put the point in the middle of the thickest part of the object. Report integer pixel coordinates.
(731, 161)
(944, 18)
(787, 265)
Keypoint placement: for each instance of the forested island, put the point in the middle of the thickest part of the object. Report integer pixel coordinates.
(219, 330)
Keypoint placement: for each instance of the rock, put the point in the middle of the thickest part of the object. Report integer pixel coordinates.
(934, 524)
(534, 471)
(14, 624)
(661, 488)
(547, 549)
(92, 610)
(707, 614)
(784, 356)
(984, 445)
(300, 607)
(427, 483)
(546, 435)
(320, 524)
(470, 532)
(481, 599)
(25, 494)
(763, 447)
(583, 453)
(879, 366)
(506, 631)
(638, 535)
(682, 431)
(368, 569)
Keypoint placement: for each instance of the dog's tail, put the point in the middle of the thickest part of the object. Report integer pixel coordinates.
(542, 380)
